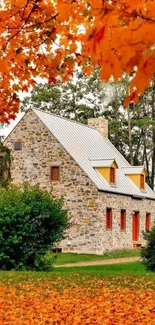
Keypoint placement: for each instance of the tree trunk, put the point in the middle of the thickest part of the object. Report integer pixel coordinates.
(130, 136)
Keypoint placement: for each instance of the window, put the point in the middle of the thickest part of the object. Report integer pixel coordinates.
(55, 173)
(112, 175)
(123, 220)
(142, 182)
(109, 219)
(18, 145)
(148, 221)
(135, 226)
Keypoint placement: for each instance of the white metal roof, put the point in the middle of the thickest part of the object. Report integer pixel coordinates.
(84, 145)
(133, 170)
(102, 162)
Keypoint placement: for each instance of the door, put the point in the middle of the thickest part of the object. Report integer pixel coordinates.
(135, 226)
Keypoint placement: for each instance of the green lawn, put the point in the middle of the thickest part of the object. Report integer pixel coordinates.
(65, 258)
(134, 269)
(123, 271)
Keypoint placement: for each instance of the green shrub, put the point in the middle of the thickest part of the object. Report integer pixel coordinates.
(148, 252)
(44, 263)
(31, 222)
(5, 161)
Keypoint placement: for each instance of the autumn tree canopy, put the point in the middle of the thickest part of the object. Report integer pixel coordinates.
(46, 38)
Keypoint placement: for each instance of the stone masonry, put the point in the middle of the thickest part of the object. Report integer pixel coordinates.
(86, 205)
(99, 124)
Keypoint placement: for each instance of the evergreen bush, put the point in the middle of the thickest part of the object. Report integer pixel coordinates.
(148, 252)
(31, 222)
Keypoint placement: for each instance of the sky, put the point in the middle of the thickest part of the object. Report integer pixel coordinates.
(4, 131)
(9, 127)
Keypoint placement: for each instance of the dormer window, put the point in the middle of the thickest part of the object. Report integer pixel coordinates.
(112, 175)
(137, 175)
(106, 168)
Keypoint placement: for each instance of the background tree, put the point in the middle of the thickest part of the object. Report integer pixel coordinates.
(148, 252)
(80, 98)
(133, 130)
(117, 115)
(143, 122)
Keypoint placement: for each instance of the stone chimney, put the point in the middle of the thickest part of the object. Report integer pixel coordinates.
(100, 124)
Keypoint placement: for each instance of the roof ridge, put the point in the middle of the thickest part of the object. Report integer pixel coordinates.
(65, 118)
(133, 166)
(101, 158)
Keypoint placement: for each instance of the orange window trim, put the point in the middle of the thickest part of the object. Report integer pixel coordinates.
(112, 175)
(148, 221)
(108, 218)
(123, 220)
(55, 173)
(135, 226)
(142, 182)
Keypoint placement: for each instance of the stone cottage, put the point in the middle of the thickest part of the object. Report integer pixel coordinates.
(109, 201)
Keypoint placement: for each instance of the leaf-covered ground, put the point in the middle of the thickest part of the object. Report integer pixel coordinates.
(74, 300)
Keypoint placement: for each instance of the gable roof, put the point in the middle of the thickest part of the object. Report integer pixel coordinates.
(84, 145)
(102, 162)
(133, 170)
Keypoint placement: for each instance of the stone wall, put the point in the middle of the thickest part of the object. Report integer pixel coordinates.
(87, 206)
(100, 124)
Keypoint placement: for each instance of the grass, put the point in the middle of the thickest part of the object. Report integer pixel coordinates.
(65, 258)
(134, 269)
(69, 274)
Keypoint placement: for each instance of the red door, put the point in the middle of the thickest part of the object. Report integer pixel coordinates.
(135, 226)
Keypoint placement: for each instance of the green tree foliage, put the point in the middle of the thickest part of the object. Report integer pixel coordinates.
(148, 252)
(31, 222)
(132, 130)
(5, 162)
(142, 131)
(117, 115)
(79, 99)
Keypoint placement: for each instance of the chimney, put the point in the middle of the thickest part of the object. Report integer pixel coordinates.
(100, 124)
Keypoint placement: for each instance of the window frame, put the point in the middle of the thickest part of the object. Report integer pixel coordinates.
(18, 145)
(142, 182)
(135, 226)
(112, 175)
(52, 177)
(123, 222)
(148, 221)
(108, 218)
